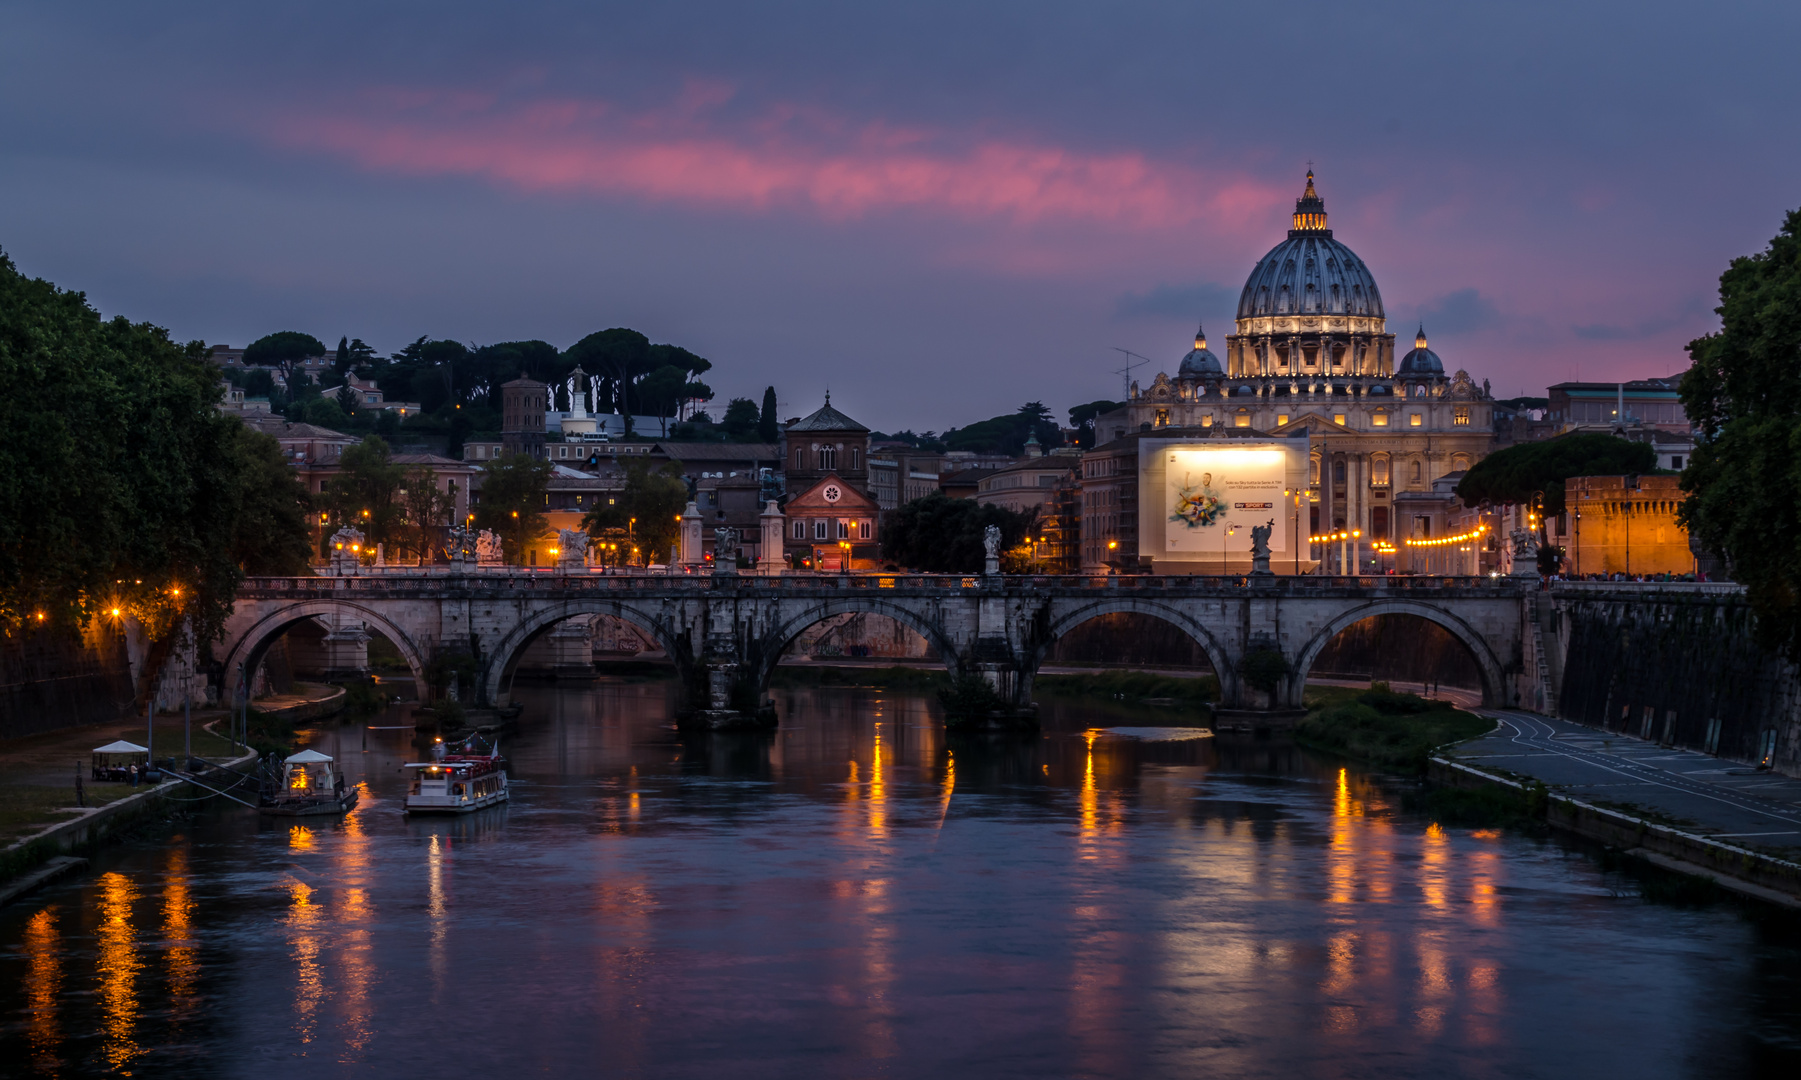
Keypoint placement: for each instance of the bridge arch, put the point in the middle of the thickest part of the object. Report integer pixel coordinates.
(1224, 669)
(504, 656)
(248, 647)
(1494, 692)
(777, 640)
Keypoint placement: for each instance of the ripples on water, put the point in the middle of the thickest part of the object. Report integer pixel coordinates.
(857, 896)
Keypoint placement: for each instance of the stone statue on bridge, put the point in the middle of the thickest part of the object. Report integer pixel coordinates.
(572, 549)
(1260, 548)
(725, 550)
(346, 550)
(991, 544)
(459, 546)
(1525, 552)
(488, 549)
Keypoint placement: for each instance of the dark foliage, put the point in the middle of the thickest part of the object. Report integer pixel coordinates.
(1515, 474)
(942, 535)
(1743, 393)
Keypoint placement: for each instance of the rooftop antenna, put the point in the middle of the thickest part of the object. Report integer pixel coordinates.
(1125, 373)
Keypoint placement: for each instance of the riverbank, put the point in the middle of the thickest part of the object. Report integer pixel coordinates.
(1676, 809)
(40, 816)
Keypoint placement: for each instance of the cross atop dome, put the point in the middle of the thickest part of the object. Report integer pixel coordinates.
(1419, 342)
(1200, 337)
(1310, 211)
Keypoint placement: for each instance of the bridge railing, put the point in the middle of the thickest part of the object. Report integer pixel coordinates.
(389, 581)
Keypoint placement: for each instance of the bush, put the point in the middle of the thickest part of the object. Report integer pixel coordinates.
(969, 700)
(1264, 669)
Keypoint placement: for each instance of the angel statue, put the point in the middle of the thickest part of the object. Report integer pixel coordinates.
(991, 541)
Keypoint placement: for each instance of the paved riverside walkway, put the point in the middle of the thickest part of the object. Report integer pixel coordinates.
(1723, 800)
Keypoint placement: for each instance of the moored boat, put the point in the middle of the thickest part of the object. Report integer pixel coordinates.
(456, 781)
(309, 785)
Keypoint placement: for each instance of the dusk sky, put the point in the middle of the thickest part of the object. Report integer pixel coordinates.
(940, 210)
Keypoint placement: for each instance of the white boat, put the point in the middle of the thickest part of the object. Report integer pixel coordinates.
(309, 785)
(457, 781)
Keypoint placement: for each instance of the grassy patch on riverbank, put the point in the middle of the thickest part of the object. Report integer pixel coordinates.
(1383, 728)
(26, 808)
(1136, 687)
(1491, 807)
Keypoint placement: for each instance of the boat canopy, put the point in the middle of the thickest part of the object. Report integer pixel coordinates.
(121, 747)
(307, 757)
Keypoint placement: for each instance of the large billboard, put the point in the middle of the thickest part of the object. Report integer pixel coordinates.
(1212, 497)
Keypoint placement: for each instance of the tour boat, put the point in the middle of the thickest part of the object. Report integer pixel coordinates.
(309, 785)
(457, 781)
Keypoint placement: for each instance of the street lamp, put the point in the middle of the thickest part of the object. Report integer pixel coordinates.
(1231, 530)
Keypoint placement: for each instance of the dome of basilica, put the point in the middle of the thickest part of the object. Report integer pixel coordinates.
(1421, 361)
(1201, 361)
(1310, 273)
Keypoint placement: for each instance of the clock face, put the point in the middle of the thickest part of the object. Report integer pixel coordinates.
(832, 493)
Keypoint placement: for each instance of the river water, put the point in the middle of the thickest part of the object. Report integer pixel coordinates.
(855, 896)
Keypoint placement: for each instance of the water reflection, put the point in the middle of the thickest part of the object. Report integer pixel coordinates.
(856, 894)
(43, 986)
(117, 966)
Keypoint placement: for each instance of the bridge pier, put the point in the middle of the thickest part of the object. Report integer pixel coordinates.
(346, 651)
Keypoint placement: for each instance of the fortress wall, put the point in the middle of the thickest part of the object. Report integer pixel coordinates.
(1690, 660)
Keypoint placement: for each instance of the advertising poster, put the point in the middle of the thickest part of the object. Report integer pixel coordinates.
(1214, 496)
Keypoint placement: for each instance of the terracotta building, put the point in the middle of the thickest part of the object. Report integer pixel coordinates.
(1623, 525)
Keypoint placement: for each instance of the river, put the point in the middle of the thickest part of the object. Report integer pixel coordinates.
(855, 896)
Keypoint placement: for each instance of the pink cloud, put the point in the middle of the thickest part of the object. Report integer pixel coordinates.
(785, 157)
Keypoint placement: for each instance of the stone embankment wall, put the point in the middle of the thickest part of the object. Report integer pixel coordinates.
(56, 678)
(1679, 666)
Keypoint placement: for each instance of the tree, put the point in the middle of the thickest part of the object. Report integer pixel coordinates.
(741, 420)
(126, 496)
(1082, 418)
(1516, 474)
(426, 510)
(942, 535)
(512, 502)
(270, 534)
(1007, 434)
(645, 511)
(365, 493)
(768, 425)
(662, 390)
(1743, 394)
(286, 350)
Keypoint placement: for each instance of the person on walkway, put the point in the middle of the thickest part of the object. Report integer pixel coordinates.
(132, 772)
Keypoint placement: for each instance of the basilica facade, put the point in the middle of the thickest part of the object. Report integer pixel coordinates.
(1311, 355)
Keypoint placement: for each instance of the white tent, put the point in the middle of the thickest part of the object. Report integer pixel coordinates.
(307, 757)
(121, 747)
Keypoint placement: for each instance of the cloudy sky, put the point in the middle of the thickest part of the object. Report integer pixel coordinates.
(938, 210)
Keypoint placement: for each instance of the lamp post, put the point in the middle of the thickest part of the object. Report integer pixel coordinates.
(1231, 529)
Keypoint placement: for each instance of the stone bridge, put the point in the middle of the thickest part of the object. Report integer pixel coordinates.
(726, 632)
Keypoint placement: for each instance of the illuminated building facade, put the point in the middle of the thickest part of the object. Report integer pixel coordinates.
(1311, 354)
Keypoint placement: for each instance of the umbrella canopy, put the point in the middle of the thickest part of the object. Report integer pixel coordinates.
(121, 747)
(307, 757)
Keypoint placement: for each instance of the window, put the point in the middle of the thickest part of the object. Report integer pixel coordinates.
(1207, 420)
(1416, 472)
(1380, 419)
(800, 530)
(1460, 416)
(1315, 481)
(856, 458)
(1162, 417)
(828, 458)
(843, 529)
(863, 530)
(1379, 471)
(1339, 419)
(1281, 418)
(1243, 419)
(800, 457)
(819, 529)
(1414, 420)
(1338, 472)
(562, 451)
(1676, 461)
